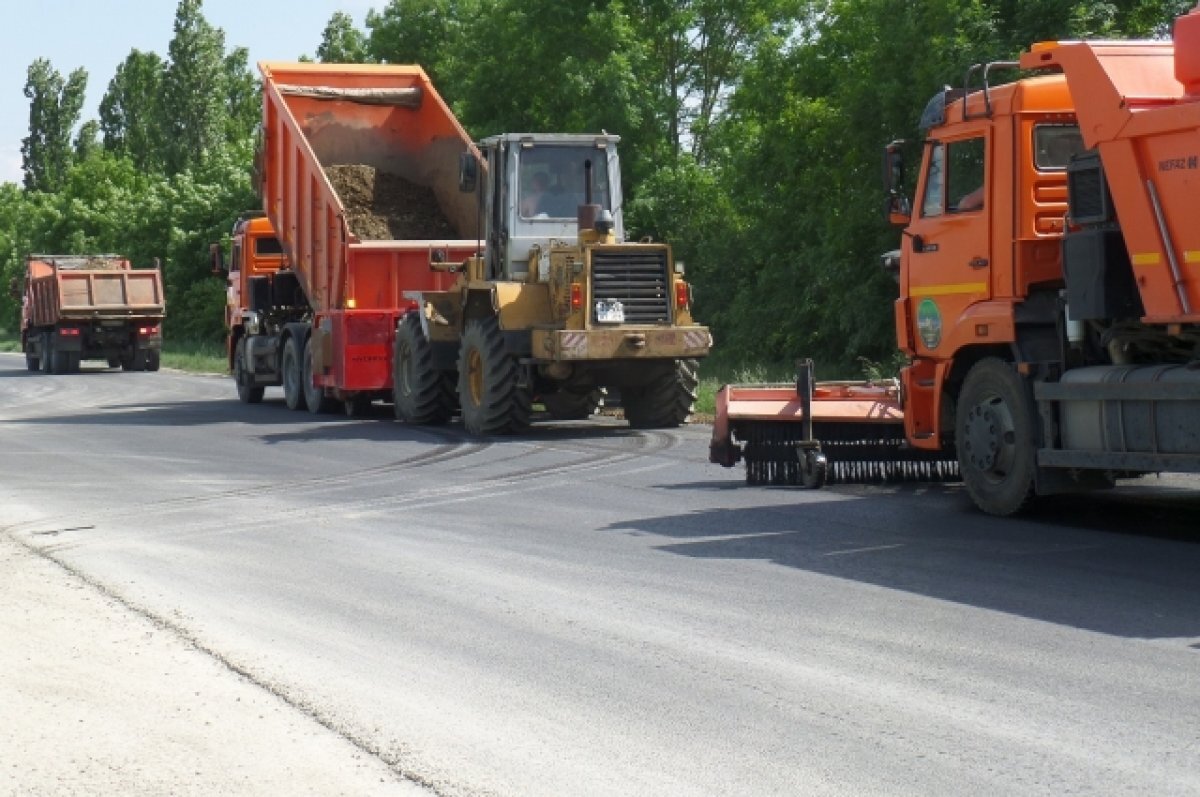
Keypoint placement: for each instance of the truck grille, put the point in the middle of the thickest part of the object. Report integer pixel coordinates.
(637, 279)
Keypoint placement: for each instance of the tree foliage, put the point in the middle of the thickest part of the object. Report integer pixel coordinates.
(54, 108)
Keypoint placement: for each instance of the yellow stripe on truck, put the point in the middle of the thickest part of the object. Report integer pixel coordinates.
(1147, 259)
(948, 289)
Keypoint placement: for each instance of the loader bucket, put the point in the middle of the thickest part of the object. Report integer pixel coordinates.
(857, 428)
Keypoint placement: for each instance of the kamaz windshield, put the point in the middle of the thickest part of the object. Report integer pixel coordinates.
(553, 180)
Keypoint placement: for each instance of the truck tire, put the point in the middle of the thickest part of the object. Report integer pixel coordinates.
(293, 375)
(32, 361)
(248, 393)
(571, 404)
(153, 359)
(114, 362)
(995, 434)
(314, 395)
(666, 401)
(47, 353)
(421, 394)
(489, 391)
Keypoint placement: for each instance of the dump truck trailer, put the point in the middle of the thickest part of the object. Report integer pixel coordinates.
(357, 170)
(1049, 277)
(90, 307)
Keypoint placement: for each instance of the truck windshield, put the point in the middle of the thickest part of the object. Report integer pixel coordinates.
(552, 180)
(1055, 145)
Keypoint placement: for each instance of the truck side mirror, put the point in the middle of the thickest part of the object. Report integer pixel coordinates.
(218, 260)
(897, 207)
(468, 172)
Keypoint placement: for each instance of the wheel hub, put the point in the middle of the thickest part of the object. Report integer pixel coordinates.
(990, 437)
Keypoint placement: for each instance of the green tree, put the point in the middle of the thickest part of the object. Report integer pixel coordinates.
(194, 94)
(131, 110)
(341, 42)
(54, 110)
(430, 33)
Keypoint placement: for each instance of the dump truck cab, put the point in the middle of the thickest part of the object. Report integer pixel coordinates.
(983, 238)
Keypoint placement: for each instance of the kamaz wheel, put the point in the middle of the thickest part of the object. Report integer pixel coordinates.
(666, 401)
(293, 375)
(489, 391)
(568, 404)
(248, 393)
(996, 437)
(422, 394)
(32, 361)
(153, 359)
(314, 395)
(47, 353)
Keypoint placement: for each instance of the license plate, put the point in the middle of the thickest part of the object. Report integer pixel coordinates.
(610, 311)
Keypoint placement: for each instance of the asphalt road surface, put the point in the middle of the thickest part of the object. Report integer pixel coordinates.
(591, 610)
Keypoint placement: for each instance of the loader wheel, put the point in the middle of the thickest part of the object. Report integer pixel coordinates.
(422, 394)
(570, 404)
(314, 395)
(666, 401)
(995, 434)
(293, 375)
(248, 393)
(489, 390)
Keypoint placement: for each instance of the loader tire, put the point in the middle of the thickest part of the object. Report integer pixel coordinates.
(421, 393)
(248, 392)
(489, 391)
(569, 404)
(314, 395)
(996, 437)
(293, 375)
(666, 401)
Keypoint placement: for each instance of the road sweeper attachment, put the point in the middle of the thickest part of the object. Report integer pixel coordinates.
(815, 433)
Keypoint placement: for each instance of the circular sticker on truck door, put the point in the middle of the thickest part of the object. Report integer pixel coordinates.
(929, 323)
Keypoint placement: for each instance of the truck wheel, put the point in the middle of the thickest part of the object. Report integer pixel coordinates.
(293, 375)
(489, 391)
(666, 401)
(995, 434)
(248, 393)
(62, 362)
(153, 359)
(114, 362)
(47, 353)
(314, 395)
(32, 361)
(421, 394)
(570, 404)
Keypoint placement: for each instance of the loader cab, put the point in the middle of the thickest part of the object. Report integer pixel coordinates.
(535, 185)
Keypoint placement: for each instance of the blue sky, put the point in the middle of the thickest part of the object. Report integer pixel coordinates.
(98, 34)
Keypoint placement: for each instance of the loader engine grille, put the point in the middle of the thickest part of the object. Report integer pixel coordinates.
(637, 279)
(857, 453)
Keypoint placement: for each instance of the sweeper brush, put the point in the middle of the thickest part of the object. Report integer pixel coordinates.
(813, 434)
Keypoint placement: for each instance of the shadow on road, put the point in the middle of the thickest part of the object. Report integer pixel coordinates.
(1122, 563)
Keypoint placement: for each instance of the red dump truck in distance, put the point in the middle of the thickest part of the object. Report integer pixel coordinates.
(358, 176)
(90, 307)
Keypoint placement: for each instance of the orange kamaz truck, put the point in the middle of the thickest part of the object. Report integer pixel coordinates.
(1049, 274)
(316, 284)
(90, 307)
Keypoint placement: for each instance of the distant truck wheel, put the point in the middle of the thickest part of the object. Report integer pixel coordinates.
(293, 375)
(32, 361)
(421, 394)
(114, 362)
(666, 401)
(314, 395)
(153, 359)
(248, 392)
(47, 353)
(489, 391)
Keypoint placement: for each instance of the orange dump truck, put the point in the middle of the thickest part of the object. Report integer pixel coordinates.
(90, 307)
(1049, 305)
(318, 283)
